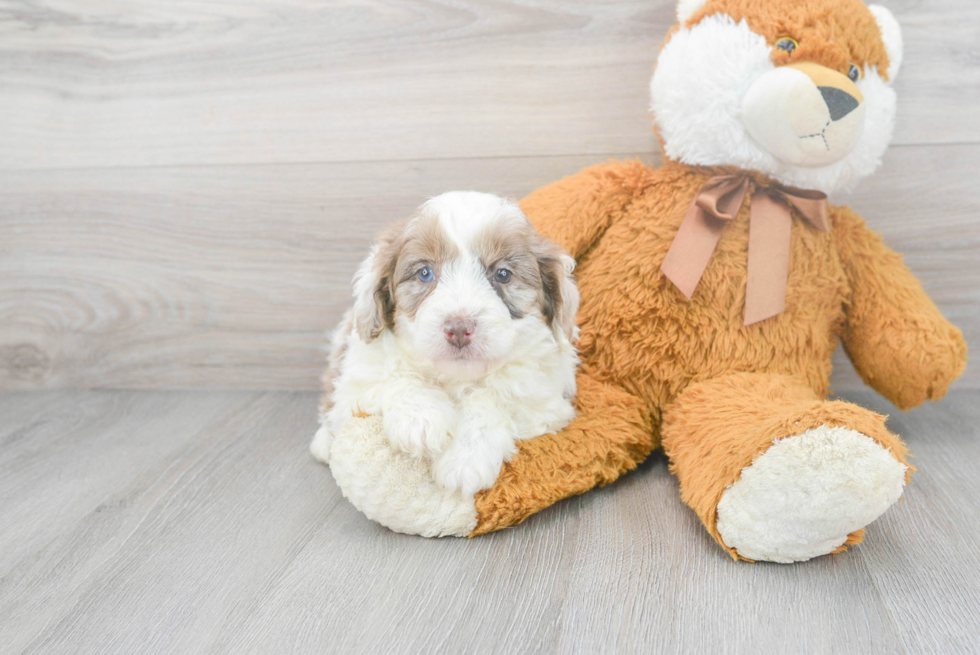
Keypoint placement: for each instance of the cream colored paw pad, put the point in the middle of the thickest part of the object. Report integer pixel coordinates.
(393, 488)
(806, 494)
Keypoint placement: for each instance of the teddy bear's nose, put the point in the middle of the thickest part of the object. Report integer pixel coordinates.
(839, 102)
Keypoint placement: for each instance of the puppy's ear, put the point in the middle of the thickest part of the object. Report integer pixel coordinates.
(561, 295)
(374, 301)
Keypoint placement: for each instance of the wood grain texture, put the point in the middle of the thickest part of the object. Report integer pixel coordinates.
(141, 83)
(218, 277)
(186, 187)
(198, 522)
(202, 277)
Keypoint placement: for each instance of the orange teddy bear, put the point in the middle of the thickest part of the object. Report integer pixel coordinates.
(716, 287)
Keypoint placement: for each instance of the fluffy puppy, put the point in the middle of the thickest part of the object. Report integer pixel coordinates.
(460, 338)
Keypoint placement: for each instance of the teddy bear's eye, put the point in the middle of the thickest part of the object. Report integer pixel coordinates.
(787, 44)
(854, 73)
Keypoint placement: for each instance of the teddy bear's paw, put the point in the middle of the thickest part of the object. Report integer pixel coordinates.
(393, 488)
(807, 493)
(320, 446)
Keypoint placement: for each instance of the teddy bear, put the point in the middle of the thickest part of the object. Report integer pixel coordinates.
(714, 290)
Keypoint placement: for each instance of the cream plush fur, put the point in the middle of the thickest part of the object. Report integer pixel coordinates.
(806, 494)
(393, 488)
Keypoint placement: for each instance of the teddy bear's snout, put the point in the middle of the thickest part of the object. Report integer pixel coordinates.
(804, 114)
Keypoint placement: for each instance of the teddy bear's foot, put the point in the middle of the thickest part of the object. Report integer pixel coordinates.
(806, 494)
(394, 488)
(776, 472)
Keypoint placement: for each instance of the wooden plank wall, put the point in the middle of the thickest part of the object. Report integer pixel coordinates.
(186, 187)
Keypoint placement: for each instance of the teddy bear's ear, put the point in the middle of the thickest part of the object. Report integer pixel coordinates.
(891, 34)
(687, 8)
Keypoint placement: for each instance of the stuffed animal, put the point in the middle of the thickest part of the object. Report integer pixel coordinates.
(714, 291)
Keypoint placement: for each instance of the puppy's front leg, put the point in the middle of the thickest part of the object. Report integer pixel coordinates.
(482, 440)
(417, 417)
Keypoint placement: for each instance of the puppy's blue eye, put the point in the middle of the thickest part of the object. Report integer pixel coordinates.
(502, 276)
(427, 275)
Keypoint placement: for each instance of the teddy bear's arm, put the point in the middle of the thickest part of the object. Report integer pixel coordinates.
(576, 210)
(898, 340)
(610, 435)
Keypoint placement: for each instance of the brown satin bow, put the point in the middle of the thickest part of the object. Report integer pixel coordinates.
(719, 201)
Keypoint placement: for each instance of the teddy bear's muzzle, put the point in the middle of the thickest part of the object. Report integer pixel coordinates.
(804, 114)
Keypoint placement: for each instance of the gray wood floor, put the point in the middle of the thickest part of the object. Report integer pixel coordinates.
(186, 522)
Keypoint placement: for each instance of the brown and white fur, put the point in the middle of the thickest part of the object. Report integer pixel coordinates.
(460, 338)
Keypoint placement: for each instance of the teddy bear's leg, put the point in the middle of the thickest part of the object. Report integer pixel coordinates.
(610, 435)
(778, 473)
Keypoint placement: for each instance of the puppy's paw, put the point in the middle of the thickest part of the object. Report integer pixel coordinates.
(420, 431)
(320, 446)
(469, 465)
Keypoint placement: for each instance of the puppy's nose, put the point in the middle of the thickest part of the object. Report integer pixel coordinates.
(459, 332)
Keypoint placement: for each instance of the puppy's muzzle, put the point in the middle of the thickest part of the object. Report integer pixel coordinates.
(459, 331)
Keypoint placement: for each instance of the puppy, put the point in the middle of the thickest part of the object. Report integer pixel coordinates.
(460, 338)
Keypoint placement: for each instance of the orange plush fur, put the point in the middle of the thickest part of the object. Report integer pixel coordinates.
(833, 33)
(661, 371)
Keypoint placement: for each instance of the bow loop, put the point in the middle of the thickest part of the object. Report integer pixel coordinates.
(722, 196)
(719, 201)
(812, 205)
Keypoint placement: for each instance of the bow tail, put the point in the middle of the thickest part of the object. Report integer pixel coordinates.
(691, 249)
(770, 231)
